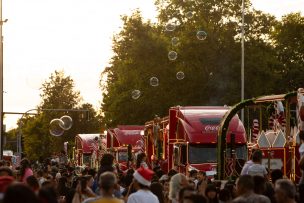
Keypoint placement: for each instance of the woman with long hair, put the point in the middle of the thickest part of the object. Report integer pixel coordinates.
(141, 160)
(25, 170)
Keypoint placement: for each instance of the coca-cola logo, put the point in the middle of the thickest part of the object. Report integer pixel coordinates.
(211, 128)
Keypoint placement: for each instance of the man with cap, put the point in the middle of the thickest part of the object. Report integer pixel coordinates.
(141, 182)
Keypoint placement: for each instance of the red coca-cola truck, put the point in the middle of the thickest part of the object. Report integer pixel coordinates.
(187, 139)
(89, 149)
(122, 137)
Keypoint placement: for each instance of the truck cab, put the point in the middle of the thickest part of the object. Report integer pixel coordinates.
(191, 138)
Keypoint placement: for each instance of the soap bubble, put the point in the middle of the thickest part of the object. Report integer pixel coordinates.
(180, 75)
(189, 15)
(170, 27)
(55, 127)
(154, 82)
(174, 41)
(136, 94)
(172, 55)
(67, 122)
(201, 35)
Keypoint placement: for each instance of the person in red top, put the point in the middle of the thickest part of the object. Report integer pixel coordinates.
(25, 170)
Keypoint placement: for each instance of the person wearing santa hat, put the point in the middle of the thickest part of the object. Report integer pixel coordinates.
(141, 182)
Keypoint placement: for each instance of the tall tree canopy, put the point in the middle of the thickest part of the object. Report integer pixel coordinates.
(211, 66)
(58, 93)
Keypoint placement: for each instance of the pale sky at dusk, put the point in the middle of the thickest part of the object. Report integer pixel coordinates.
(42, 36)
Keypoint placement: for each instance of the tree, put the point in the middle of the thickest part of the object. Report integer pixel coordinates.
(289, 44)
(211, 66)
(57, 93)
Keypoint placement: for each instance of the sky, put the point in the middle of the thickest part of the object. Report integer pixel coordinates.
(42, 36)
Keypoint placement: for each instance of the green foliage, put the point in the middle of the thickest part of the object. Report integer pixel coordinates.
(288, 41)
(10, 140)
(57, 93)
(212, 67)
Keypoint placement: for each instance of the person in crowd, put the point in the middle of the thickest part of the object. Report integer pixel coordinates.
(5, 181)
(191, 183)
(247, 164)
(165, 182)
(17, 193)
(230, 186)
(285, 191)
(301, 193)
(245, 191)
(301, 151)
(201, 187)
(157, 189)
(63, 159)
(106, 164)
(224, 196)
(141, 160)
(49, 195)
(257, 168)
(25, 170)
(193, 176)
(107, 184)
(86, 191)
(171, 173)
(211, 194)
(6, 171)
(195, 198)
(177, 181)
(275, 175)
(259, 185)
(62, 186)
(185, 192)
(93, 173)
(141, 182)
(33, 183)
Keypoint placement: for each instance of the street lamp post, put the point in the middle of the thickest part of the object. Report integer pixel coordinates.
(243, 61)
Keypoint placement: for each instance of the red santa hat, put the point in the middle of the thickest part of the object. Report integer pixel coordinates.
(143, 176)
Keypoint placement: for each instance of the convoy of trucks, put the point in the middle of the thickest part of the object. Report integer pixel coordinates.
(206, 138)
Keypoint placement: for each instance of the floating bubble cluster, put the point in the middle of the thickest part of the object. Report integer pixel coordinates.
(67, 122)
(180, 75)
(172, 55)
(135, 94)
(170, 27)
(55, 127)
(154, 82)
(174, 41)
(201, 35)
(189, 15)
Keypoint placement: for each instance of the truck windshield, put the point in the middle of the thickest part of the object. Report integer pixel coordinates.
(202, 154)
(122, 156)
(207, 154)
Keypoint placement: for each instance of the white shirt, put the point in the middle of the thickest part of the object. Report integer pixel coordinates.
(301, 149)
(257, 169)
(141, 196)
(246, 167)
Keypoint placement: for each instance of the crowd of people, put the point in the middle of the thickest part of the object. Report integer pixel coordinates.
(55, 180)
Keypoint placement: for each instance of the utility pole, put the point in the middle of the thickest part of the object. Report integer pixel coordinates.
(1, 84)
(243, 59)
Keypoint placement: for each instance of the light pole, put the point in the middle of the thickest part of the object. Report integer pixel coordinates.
(243, 61)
